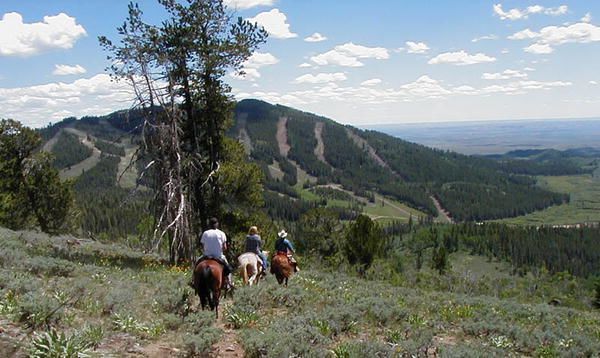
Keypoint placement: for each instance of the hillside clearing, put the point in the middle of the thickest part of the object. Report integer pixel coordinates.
(84, 165)
(584, 206)
(320, 148)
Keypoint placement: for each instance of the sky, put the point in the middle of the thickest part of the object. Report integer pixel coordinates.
(359, 62)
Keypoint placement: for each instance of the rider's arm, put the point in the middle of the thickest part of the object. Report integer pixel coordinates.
(290, 246)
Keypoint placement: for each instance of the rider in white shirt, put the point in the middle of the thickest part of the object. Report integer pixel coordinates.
(214, 242)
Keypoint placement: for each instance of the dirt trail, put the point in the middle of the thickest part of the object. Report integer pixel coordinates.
(363, 144)
(320, 148)
(443, 215)
(85, 164)
(228, 345)
(128, 178)
(282, 138)
(243, 135)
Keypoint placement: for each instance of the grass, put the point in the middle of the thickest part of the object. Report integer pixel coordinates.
(584, 205)
(89, 297)
(101, 299)
(333, 314)
(390, 210)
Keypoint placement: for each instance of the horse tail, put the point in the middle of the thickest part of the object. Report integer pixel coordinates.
(207, 275)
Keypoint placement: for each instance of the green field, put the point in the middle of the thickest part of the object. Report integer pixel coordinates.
(583, 207)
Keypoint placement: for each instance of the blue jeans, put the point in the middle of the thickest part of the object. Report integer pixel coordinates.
(263, 257)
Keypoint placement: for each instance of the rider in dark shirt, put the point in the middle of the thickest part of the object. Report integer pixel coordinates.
(254, 244)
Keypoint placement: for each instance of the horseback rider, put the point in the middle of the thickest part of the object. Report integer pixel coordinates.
(214, 242)
(254, 245)
(283, 246)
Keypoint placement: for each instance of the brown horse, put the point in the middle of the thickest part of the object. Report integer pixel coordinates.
(281, 268)
(208, 278)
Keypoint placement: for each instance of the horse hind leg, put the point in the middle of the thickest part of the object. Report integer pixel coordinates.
(216, 297)
(244, 273)
(203, 299)
(253, 276)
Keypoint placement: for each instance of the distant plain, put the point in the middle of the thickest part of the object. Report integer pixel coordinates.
(495, 137)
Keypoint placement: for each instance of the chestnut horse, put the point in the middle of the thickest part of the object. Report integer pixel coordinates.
(281, 268)
(208, 278)
(250, 268)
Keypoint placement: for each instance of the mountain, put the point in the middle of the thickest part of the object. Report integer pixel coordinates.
(470, 188)
(309, 160)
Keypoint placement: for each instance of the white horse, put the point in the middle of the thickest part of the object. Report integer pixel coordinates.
(250, 267)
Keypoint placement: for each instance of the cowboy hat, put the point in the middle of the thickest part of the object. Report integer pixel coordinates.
(282, 234)
(253, 230)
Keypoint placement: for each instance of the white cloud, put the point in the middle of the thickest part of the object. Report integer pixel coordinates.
(486, 37)
(593, 82)
(587, 18)
(580, 32)
(529, 69)
(539, 49)
(461, 58)
(305, 65)
(422, 89)
(520, 14)
(557, 11)
(523, 35)
(37, 105)
(20, 39)
(260, 59)
(316, 37)
(275, 23)
(359, 51)
(347, 55)
(425, 86)
(416, 47)
(522, 87)
(334, 57)
(505, 75)
(246, 74)
(65, 70)
(247, 4)
(371, 82)
(321, 78)
(250, 67)
(504, 51)
(549, 36)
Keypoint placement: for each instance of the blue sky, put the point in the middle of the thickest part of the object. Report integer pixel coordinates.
(368, 62)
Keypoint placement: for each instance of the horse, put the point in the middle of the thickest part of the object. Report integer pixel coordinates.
(250, 268)
(281, 268)
(207, 279)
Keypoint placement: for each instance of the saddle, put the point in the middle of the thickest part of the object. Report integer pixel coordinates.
(226, 268)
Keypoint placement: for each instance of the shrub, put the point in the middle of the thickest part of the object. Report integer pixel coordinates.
(241, 318)
(53, 344)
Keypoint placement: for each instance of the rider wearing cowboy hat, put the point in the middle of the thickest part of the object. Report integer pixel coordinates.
(284, 246)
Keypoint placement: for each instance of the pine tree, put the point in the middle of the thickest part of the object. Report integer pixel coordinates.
(177, 70)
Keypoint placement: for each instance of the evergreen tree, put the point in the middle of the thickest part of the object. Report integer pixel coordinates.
(439, 260)
(30, 188)
(364, 242)
(177, 70)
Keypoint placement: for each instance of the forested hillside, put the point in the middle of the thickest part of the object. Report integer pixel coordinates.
(299, 152)
(470, 188)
